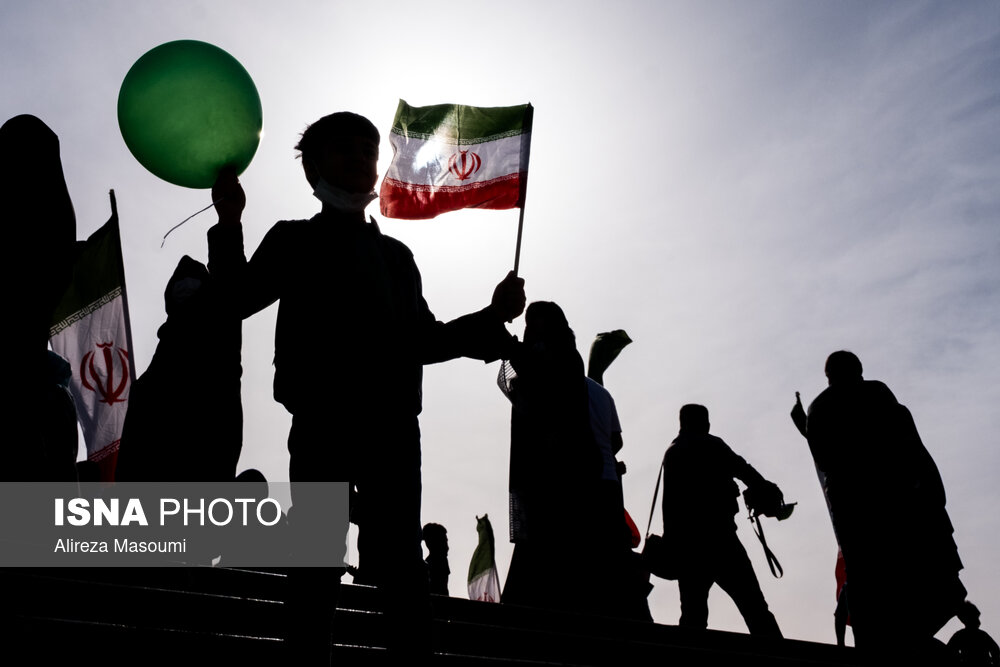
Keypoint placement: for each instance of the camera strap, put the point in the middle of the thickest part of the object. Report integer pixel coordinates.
(656, 493)
(772, 560)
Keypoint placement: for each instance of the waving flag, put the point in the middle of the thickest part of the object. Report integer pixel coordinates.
(603, 351)
(484, 583)
(91, 331)
(449, 156)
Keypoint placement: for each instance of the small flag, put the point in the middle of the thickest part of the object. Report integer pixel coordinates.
(91, 330)
(484, 583)
(603, 351)
(448, 157)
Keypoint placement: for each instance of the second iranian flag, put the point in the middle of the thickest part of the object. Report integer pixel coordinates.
(449, 156)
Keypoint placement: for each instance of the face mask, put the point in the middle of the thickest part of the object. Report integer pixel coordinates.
(341, 199)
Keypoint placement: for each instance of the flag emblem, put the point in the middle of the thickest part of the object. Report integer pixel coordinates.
(462, 165)
(102, 380)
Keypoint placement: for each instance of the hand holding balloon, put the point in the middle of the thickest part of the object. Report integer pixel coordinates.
(228, 196)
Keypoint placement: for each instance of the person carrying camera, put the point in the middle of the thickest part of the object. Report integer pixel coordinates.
(699, 505)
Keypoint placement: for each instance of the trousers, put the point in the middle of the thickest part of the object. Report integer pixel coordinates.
(724, 561)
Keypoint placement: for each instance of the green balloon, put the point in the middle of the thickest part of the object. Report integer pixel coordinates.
(188, 109)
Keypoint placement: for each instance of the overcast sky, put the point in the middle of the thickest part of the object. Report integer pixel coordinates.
(743, 187)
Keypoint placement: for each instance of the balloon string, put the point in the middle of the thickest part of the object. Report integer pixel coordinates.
(188, 218)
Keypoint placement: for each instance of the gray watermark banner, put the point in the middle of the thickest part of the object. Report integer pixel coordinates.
(145, 524)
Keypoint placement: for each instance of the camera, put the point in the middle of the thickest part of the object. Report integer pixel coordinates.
(767, 500)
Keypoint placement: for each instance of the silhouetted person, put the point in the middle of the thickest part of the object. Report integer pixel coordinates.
(185, 416)
(436, 539)
(972, 646)
(39, 228)
(887, 502)
(555, 473)
(337, 279)
(699, 506)
(634, 584)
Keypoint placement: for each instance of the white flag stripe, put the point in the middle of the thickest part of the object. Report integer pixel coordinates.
(485, 587)
(428, 162)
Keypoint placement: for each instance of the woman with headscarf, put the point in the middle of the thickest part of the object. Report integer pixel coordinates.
(40, 228)
(555, 467)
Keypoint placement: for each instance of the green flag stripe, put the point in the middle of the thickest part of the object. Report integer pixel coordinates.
(483, 558)
(460, 124)
(96, 273)
(78, 315)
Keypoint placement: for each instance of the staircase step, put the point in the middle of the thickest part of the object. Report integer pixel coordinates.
(173, 615)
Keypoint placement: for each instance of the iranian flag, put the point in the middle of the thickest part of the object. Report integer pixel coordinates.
(91, 331)
(449, 156)
(484, 583)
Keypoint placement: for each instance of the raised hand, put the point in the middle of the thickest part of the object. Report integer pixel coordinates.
(228, 196)
(508, 297)
(799, 415)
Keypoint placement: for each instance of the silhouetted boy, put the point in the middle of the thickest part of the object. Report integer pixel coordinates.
(340, 282)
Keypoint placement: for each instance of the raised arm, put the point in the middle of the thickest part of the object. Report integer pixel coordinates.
(251, 285)
(799, 417)
(480, 335)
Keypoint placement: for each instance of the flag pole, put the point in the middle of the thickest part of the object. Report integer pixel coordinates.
(527, 123)
(121, 272)
(517, 250)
